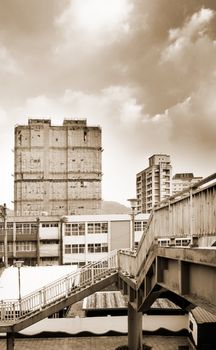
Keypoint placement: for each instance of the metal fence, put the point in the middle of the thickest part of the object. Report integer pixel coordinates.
(12, 310)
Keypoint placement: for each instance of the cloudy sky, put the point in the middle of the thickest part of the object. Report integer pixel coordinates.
(144, 70)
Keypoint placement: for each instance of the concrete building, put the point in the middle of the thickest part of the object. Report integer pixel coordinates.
(87, 238)
(154, 183)
(181, 181)
(57, 168)
(67, 240)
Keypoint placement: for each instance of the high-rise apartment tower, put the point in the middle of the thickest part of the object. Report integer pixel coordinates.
(181, 181)
(57, 168)
(154, 183)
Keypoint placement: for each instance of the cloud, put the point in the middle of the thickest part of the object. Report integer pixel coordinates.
(144, 70)
(99, 21)
(182, 38)
(7, 63)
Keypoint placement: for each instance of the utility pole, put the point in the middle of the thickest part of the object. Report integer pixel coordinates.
(133, 204)
(3, 214)
(38, 241)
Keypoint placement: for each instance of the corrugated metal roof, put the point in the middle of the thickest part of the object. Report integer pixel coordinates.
(203, 316)
(115, 300)
(163, 303)
(105, 300)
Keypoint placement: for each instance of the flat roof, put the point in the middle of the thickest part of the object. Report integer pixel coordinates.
(31, 279)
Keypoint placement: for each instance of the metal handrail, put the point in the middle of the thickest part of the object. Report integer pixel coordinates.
(12, 310)
(160, 216)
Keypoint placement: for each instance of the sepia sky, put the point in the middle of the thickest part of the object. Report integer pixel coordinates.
(144, 70)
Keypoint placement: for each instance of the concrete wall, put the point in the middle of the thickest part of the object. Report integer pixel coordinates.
(120, 237)
(57, 168)
(100, 325)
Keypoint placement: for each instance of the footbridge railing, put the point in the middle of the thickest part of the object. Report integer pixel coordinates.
(13, 310)
(189, 215)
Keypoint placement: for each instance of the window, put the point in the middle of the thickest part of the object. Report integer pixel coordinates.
(82, 248)
(138, 226)
(136, 245)
(25, 246)
(74, 249)
(67, 229)
(49, 241)
(9, 227)
(164, 242)
(67, 249)
(10, 247)
(90, 248)
(34, 228)
(50, 225)
(97, 248)
(104, 247)
(182, 242)
(90, 228)
(19, 228)
(26, 228)
(97, 227)
(75, 229)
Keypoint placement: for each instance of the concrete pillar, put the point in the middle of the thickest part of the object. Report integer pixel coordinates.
(10, 341)
(134, 329)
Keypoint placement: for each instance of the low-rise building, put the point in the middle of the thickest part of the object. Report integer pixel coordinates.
(70, 240)
(87, 238)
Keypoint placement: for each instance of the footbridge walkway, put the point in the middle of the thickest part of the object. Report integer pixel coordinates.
(176, 259)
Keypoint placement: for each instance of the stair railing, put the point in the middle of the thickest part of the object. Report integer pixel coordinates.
(12, 310)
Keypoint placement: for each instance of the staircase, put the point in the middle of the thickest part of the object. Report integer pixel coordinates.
(41, 300)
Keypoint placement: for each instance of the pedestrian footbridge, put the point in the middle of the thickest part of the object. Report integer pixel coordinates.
(176, 259)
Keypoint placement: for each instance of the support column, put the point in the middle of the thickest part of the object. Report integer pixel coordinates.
(10, 341)
(134, 329)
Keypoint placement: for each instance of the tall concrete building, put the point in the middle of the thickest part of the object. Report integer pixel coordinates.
(181, 181)
(57, 168)
(153, 184)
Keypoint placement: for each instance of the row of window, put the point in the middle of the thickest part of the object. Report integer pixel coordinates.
(20, 246)
(78, 229)
(74, 229)
(50, 225)
(21, 228)
(91, 248)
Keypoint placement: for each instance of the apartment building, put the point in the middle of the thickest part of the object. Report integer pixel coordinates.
(154, 183)
(57, 168)
(67, 240)
(181, 181)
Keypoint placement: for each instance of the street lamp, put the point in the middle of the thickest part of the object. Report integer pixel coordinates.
(3, 214)
(133, 204)
(18, 264)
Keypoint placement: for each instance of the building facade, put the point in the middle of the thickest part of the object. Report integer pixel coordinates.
(57, 168)
(87, 238)
(181, 181)
(69, 240)
(154, 183)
